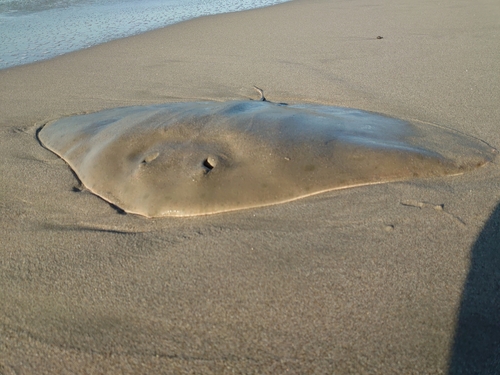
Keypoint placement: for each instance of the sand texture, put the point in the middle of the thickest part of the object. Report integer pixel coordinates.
(388, 279)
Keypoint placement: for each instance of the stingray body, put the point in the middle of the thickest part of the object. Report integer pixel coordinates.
(193, 158)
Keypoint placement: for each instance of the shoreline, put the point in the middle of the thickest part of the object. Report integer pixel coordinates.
(349, 281)
(42, 38)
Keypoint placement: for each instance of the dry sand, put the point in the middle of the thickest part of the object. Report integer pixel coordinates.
(389, 279)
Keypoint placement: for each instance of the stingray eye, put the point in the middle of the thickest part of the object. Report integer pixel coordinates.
(150, 158)
(209, 164)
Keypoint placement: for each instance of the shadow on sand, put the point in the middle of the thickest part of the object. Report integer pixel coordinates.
(476, 348)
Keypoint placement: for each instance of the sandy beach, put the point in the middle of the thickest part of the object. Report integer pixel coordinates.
(397, 278)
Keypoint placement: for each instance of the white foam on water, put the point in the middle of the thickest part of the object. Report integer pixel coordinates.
(32, 30)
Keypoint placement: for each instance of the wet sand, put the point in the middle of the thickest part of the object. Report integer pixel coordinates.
(393, 278)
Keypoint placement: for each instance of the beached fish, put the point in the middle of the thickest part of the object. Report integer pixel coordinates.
(193, 158)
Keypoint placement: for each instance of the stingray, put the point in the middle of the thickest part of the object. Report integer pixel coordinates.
(194, 158)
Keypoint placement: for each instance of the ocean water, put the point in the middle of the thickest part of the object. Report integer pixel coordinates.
(32, 30)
